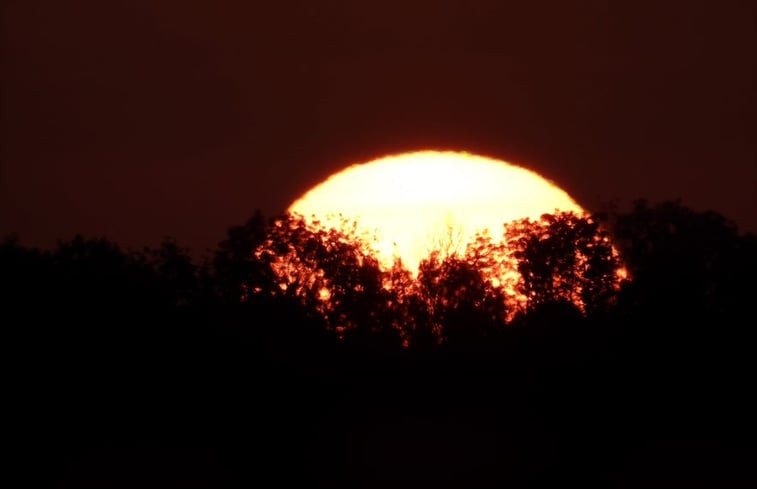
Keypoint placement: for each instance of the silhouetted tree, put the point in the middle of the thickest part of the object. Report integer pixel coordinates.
(463, 307)
(27, 281)
(236, 270)
(180, 278)
(690, 299)
(331, 272)
(565, 257)
(684, 261)
(334, 274)
(494, 260)
(95, 273)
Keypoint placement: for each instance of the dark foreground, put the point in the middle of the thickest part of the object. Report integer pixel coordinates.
(239, 406)
(144, 370)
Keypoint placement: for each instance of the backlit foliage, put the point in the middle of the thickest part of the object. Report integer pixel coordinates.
(336, 274)
(330, 271)
(564, 258)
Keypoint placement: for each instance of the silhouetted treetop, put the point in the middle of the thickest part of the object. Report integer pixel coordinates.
(565, 257)
(685, 261)
(336, 274)
(682, 264)
(235, 268)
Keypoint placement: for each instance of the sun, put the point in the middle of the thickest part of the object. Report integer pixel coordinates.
(413, 203)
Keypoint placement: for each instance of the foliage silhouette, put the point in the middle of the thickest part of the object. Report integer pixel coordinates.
(235, 268)
(462, 306)
(454, 298)
(682, 258)
(294, 356)
(564, 257)
(331, 273)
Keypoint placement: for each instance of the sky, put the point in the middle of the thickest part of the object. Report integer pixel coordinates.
(136, 120)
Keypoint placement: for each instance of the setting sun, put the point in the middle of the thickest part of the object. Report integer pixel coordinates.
(414, 203)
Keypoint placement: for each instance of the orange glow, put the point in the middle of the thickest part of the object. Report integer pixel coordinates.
(414, 203)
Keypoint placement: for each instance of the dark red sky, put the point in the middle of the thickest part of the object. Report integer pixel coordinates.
(139, 119)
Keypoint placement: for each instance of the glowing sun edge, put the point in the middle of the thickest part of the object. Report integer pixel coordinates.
(416, 202)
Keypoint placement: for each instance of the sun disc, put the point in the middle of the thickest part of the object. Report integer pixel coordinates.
(414, 203)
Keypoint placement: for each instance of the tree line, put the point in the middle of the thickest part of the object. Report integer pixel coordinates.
(560, 353)
(659, 260)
